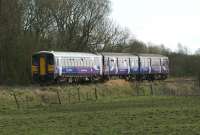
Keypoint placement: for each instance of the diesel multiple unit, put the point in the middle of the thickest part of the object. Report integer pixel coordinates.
(50, 66)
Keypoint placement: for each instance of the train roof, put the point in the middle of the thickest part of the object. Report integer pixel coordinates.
(117, 54)
(69, 54)
(83, 54)
(150, 55)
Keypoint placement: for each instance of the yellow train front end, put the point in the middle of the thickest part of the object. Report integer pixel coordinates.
(43, 67)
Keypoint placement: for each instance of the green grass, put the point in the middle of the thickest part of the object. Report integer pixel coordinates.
(122, 108)
(118, 116)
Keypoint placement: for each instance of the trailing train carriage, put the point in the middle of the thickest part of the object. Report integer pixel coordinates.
(74, 66)
(153, 66)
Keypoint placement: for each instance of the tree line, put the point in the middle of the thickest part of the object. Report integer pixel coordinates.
(27, 26)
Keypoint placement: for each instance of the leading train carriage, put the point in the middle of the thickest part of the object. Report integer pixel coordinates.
(59, 66)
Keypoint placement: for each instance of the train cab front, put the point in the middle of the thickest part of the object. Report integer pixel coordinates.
(42, 67)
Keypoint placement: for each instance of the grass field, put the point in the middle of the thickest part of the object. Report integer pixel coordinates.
(124, 116)
(117, 111)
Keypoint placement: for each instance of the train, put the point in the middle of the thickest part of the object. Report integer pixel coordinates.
(54, 66)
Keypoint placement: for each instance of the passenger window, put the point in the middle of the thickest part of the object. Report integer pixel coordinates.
(65, 62)
(132, 63)
(87, 62)
(70, 63)
(92, 60)
(142, 62)
(136, 63)
(62, 62)
(79, 62)
(75, 62)
(57, 63)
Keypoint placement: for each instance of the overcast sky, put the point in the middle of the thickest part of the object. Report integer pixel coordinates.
(167, 22)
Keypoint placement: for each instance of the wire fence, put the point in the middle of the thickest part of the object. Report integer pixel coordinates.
(71, 94)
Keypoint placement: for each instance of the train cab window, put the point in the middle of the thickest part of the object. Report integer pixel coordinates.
(50, 59)
(35, 60)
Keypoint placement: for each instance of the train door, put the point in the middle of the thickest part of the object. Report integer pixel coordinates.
(149, 65)
(164, 65)
(110, 66)
(145, 65)
(42, 65)
(123, 66)
(134, 65)
(112, 63)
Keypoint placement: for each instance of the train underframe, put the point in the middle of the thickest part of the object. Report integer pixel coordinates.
(55, 78)
(151, 77)
(102, 78)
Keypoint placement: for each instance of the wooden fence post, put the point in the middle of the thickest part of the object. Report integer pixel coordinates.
(151, 87)
(95, 92)
(78, 92)
(69, 96)
(58, 95)
(16, 100)
(137, 88)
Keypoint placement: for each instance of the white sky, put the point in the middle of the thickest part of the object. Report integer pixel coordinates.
(167, 22)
